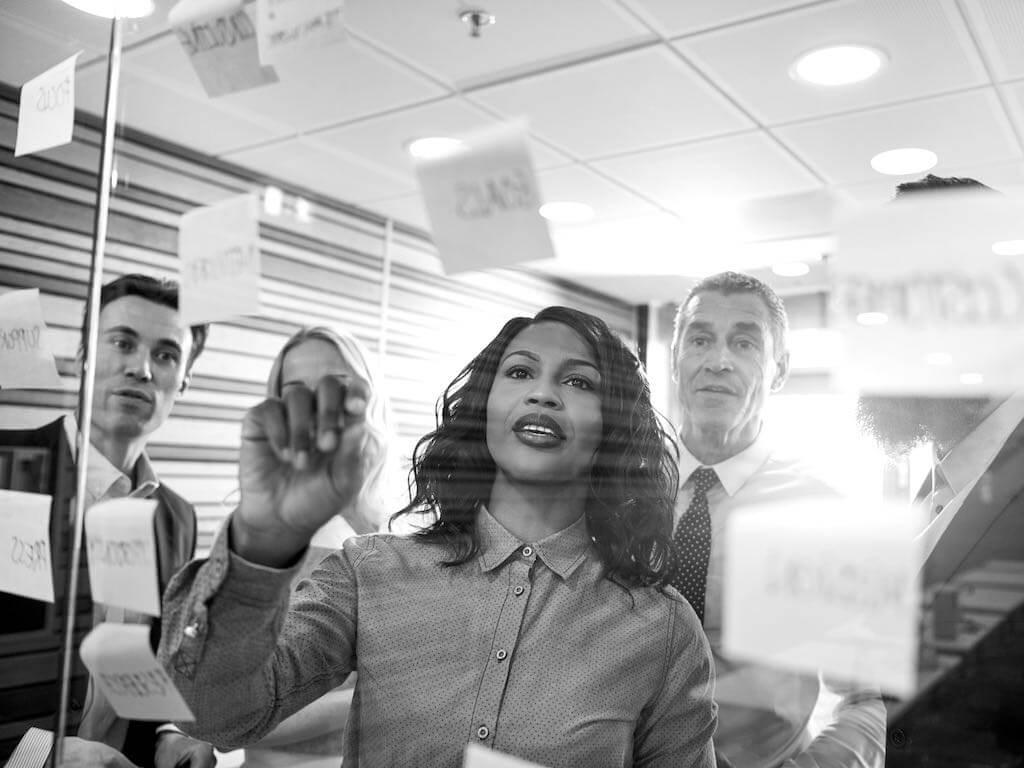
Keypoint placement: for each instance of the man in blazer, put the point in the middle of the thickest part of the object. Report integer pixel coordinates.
(143, 362)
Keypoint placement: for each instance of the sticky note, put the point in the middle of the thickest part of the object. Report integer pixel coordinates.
(928, 295)
(219, 39)
(220, 261)
(123, 666)
(481, 757)
(482, 201)
(46, 111)
(26, 563)
(288, 29)
(26, 361)
(825, 585)
(121, 547)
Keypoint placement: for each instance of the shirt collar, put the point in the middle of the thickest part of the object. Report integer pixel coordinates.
(103, 480)
(562, 552)
(974, 453)
(734, 472)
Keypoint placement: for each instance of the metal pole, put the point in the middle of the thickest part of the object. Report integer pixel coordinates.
(385, 294)
(85, 391)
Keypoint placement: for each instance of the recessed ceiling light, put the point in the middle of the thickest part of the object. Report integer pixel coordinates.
(273, 201)
(1008, 248)
(971, 378)
(303, 210)
(872, 318)
(838, 65)
(127, 9)
(431, 147)
(791, 268)
(938, 358)
(566, 212)
(903, 161)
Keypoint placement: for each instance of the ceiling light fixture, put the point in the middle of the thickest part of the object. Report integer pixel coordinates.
(566, 212)
(838, 65)
(303, 210)
(791, 268)
(432, 147)
(273, 201)
(1008, 248)
(904, 161)
(477, 19)
(872, 318)
(126, 9)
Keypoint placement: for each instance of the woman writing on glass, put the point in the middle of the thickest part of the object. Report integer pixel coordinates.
(527, 618)
(313, 736)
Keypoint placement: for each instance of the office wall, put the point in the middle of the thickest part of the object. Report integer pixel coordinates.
(329, 270)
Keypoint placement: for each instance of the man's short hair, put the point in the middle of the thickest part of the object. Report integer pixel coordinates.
(159, 290)
(932, 183)
(737, 282)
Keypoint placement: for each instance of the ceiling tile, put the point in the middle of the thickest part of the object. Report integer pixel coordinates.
(999, 28)
(619, 104)
(926, 41)
(384, 138)
(151, 105)
(964, 129)
(1013, 94)
(324, 170)
(577, 183)
(671, 17)
(704, 177)
(527, 34)
(328, 85)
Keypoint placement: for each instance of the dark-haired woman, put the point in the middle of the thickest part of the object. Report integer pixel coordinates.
(528, 618)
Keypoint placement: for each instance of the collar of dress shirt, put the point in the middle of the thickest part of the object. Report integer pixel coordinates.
(734, 472)
(975, 453)
(562, 552)
(102, 477)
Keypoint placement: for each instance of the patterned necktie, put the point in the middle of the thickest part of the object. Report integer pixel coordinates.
(691, 543)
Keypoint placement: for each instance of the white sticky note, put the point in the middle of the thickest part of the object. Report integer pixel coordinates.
(482, 757)
(122, 665)
(220, 261)
(26, 564)
(288, 29)
(483, 201)
(33, 750)
(928, 295)
(46, 114)
(26, 361)
(219, 39)
(825, 585)
(121, 547)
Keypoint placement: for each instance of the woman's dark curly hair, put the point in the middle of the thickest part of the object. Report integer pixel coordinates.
(633, 478)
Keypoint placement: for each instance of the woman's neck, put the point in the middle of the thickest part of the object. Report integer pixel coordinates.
(532, 512)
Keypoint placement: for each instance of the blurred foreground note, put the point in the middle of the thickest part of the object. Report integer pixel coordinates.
(26, 568)
(123, 666)
(121, 545)
(825, 585)
(25, 358)
(219, 38)
(220, 261)
(33, 750)
(482, 202)
(928, 295)
(482, 757)
(46, 114)
(290, 28)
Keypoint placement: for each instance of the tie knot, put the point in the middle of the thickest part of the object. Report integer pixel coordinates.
(704, 479)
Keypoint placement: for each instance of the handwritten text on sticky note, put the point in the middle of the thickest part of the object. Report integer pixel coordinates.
(123, 666)
(26, 568)
(824, 585)
(483, 202)
(46, 112)
(25, 358)
(220, 261)
(121, 545)
(290, 28)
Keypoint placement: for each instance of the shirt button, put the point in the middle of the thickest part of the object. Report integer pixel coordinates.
(517, 591)
(192, 631)
(483, 732)
(527, 551)
(501, 654)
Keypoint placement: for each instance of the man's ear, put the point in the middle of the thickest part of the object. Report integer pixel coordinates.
(781, 372)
